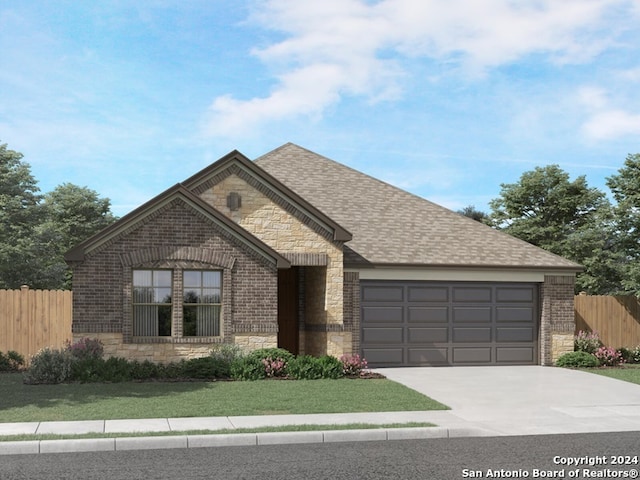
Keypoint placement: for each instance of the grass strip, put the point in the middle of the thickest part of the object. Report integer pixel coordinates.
(627, 373)
(281, 428)
(132, 400)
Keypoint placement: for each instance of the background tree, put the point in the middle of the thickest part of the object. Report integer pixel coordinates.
(71, 214)
(19, 214)
(36, 230)
(472, 212)
(565, 217)
(625, 188)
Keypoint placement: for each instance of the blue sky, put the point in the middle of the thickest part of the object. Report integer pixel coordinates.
(445, 98)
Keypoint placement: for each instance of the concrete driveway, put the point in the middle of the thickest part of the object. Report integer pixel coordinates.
(523, 400)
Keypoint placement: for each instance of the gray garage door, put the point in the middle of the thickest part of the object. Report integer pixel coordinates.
(428, 323)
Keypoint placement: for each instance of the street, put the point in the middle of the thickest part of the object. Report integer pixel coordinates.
(488, 457)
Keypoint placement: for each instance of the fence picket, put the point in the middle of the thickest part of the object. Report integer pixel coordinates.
(33, 319)
(615, 318)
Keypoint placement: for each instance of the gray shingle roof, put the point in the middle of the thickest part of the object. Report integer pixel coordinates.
(392, 226)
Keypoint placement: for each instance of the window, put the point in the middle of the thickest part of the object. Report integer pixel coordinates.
(201, 303)
(152, 303)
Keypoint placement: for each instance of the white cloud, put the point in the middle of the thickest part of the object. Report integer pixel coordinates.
(611, 124)
(335, 48)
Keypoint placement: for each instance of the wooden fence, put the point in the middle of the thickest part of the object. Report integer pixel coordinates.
(616, 319)
(33, 319)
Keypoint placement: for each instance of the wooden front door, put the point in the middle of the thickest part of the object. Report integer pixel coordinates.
(288, 334)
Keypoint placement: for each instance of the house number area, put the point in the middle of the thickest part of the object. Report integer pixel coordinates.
(568, 467)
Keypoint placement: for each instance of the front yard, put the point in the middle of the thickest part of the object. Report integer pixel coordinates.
(628, 373)
(107, 401)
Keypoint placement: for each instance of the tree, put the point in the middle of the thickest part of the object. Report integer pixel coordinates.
(565, 217)
(71, 214)
(19, 214)
(36, 230)
(625, 188)
(471, 212)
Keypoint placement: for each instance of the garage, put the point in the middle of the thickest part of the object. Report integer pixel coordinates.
(421, 323)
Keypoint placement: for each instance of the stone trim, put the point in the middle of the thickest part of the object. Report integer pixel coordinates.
(351, 306)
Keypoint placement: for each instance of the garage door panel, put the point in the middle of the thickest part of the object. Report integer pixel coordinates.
(383, 294)
(514, 334)
(513, 295)
(471, 355)
(515, 355)
(428, 294)
(471, 294)
(384, 356)
(382, 314)
(514, 314)
(448, 323)
(428, 314)
(471, 314)
(428, 356)
(428, 335)
(471, 335)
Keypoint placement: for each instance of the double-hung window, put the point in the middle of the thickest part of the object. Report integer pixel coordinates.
(202, 301)
(152, 303)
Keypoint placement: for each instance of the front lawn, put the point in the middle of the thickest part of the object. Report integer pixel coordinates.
(628, 373)
(92, 401)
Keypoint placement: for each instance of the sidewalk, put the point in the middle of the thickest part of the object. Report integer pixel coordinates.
(455, 427)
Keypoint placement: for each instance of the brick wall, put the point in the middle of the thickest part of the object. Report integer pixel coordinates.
(557, 318)
(174, 237)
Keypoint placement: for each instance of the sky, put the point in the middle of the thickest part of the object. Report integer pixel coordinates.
(448, 99)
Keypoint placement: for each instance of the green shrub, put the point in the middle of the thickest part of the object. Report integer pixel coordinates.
(248, 368)
(11, 362)
(577, 360)
(587, 342)
(264, 353)
(49, 366)
(204, 368)
(307, 367)
(145, 370)
(223, 356)
(626, 354)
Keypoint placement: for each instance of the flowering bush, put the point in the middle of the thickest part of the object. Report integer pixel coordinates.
(11, 362)
(353, 365)
(85, 348)
(274, 367)
(587, 342)
(609, 356)
(635, 355)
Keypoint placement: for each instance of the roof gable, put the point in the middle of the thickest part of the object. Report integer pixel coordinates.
(393, 227)
(235, 163)
(177, 192)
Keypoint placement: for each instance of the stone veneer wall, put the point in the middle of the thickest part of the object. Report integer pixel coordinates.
(174, 237)
(291, 233)
(558, 318)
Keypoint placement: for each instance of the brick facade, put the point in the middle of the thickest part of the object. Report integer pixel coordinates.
(175, 237)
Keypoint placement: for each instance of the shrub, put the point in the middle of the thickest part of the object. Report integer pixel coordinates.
(85, 348)
(49, 366)
(353, 365)
(331, 367)
(223, 356)
(145, 370)
(577, 359)
(248, 368)
(305, 367)
(11, 362)
(274, 367)
(203, 368)
(263, 353)
(609, 356)
(587, 342)
(635, 355)
(625, 354)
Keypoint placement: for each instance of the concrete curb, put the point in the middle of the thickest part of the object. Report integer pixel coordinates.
(233, 440)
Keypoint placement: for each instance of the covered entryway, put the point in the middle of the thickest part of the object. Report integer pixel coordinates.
(416, 323)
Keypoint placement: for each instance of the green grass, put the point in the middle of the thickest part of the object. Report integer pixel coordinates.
(628, 373)
(91, 401)
(282, 428)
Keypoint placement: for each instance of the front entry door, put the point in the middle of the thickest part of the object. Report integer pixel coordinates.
(288, 309)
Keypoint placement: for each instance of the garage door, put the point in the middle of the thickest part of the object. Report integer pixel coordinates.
(427, 323)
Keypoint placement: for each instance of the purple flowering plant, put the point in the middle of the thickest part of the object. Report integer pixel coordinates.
(353, 365)
(85, 348)
(274, 367)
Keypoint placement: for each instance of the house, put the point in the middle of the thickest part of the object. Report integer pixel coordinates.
(298, 251)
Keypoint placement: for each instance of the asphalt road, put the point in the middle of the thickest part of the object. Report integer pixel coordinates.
(495, 457)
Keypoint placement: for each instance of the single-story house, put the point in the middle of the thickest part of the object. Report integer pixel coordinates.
(298, 251)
